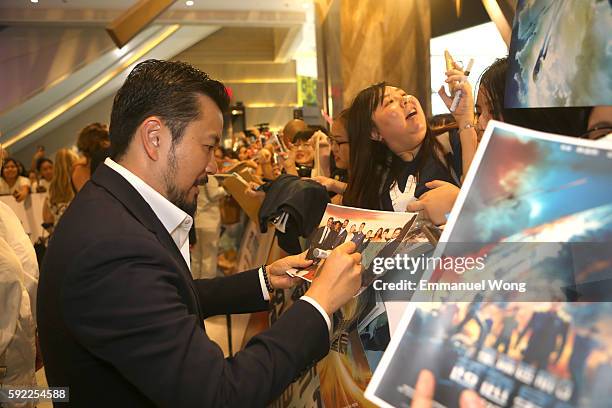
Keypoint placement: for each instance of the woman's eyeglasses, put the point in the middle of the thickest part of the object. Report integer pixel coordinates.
(333, 141)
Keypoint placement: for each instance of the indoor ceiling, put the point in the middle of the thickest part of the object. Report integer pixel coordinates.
(253, 5)
(77, 76)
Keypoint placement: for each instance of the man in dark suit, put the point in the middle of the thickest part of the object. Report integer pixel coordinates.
(322, 233)
(359, 235)
(341, 235)
(320, 237)
(120, 318)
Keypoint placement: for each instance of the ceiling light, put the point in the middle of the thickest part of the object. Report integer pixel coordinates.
(34, 1)
(189, 3)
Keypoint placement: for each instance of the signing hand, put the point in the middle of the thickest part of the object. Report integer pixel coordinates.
(277, 271)
(437, 202)
(339, 278)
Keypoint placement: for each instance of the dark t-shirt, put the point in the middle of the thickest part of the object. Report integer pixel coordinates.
(433, 170)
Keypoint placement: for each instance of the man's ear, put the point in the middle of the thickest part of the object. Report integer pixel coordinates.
(149, 134)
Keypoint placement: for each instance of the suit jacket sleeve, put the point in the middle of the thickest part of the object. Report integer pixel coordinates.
(125, 309)
(239, 293)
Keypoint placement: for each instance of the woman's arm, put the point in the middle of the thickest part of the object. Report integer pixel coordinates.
(22, 191)
(463, 114)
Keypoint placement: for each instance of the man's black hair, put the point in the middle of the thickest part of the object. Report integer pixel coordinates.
(304, 135)
(167, 89)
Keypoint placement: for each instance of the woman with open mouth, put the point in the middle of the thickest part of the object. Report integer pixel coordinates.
(396, 160)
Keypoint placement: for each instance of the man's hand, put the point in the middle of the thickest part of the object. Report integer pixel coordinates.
(277, 271)
(437, 202)
(424, 393)
(339, 278)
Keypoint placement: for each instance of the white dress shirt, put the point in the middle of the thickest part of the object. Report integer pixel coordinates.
(324, 235)
(178, 223)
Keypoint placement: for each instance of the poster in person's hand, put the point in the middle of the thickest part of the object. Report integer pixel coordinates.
(525, 191)
(560, 54)
(376, 234)
(540, 355)
(537, 208)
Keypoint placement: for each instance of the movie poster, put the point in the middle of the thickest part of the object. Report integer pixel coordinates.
(548, 355)
(560, 54)
(361, 328)
(306, 391)
(539, 208)
(534, 204)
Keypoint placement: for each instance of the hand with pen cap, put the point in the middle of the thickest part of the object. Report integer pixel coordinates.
(338, 279)
(437, 202)
(464, 112)
(425, 387)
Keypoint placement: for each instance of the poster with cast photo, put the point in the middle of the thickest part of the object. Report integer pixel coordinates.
(525, 190)
(375, 234)
(361, 327)
(560, 54)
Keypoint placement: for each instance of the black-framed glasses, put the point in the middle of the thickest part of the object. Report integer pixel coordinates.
(597, 132)
(333, 141)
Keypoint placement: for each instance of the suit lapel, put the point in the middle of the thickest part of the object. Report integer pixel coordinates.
(123, 191)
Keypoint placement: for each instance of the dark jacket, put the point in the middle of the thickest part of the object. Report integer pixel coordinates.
(121, 319)
(305, 202)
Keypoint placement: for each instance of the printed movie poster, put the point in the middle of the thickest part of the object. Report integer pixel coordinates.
(361, 328)
(560, 54)
(514, 355)
(539, 210)
(525, 191)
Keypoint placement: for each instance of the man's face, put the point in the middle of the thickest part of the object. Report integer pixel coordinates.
(192, 158)
(330, 221)
(361, 227)
(396, 233)
(353, 228)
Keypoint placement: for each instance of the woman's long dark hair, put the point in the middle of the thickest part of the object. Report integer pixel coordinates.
(372, 162)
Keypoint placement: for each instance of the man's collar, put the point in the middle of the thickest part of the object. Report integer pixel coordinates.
(169, 214)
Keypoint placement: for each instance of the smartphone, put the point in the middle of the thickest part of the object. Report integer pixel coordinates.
(280, 144)
(450, 64)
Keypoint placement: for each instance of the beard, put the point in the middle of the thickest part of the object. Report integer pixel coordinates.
(173, 193)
